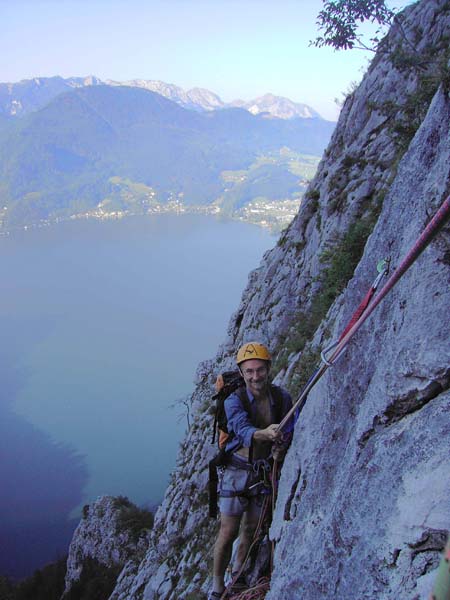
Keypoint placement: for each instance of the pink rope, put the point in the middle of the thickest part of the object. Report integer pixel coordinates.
(422, 242)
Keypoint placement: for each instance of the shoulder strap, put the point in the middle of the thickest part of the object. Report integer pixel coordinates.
(241, 393)
(277, 394)
(243, 397)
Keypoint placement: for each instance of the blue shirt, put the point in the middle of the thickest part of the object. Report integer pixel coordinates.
(240, 422)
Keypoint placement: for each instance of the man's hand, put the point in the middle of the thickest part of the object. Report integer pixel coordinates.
(269, 434)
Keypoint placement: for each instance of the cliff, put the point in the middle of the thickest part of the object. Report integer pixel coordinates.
(112, 533)
(362, 510)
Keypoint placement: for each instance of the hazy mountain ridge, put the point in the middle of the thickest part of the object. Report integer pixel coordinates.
(69, 156)
(283, 108)
(29, 95)
(18, 99)
(196, 98)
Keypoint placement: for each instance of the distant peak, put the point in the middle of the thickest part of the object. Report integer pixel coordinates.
(196, 98)
(278, 106)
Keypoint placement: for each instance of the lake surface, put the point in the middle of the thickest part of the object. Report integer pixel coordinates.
(103, 325)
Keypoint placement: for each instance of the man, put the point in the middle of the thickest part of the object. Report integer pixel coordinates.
(254, 438)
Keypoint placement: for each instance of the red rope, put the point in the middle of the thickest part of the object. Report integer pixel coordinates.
(274, 499)
(359, 311)
(422, 242)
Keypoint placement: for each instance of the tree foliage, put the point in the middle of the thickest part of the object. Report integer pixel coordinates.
(339, 21)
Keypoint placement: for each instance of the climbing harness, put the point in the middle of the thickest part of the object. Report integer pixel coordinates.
(258, 468)
(371, 303)
(223, 458)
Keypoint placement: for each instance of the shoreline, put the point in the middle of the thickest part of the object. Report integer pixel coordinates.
(274, 216)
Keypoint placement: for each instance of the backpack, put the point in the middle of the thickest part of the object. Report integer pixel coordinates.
(226, 384)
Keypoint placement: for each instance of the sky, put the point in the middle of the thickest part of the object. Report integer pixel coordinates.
(235, 48)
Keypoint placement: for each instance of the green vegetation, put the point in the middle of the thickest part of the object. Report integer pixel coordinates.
(340, 261)
(96, 581)
(45, 584)
(309, 361)
(196, 595)
(132, 519)
(339, 21)
(269, 178)
(126, 195)
(431, 68)
(269, 191)
(121, 502)
(313, 196)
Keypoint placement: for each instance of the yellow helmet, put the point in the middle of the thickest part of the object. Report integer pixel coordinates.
(252, 350)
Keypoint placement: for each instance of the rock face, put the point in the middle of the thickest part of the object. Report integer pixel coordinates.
(362, 510)
(107, 534)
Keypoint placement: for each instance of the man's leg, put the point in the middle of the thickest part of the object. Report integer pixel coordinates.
(229, 530)
(249, 524)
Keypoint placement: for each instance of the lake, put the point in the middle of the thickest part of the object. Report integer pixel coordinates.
(103, 325)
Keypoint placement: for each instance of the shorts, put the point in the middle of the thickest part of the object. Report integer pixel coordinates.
(236, 479)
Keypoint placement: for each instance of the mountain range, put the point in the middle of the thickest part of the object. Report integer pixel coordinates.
(18, 99)
(71, 146)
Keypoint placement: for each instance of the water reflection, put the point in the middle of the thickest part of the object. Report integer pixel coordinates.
(42, 481)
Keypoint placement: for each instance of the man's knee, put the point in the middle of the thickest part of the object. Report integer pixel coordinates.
(229, 528)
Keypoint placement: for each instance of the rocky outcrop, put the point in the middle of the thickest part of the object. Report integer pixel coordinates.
(362, 510)
(113, 533)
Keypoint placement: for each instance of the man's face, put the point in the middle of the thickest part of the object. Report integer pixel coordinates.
(256, 375)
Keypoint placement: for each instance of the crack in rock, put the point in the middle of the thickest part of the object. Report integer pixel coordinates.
(431, 540)
(404, 406)
(288, 505)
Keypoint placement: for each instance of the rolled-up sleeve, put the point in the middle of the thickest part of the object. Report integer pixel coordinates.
(239, 421)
